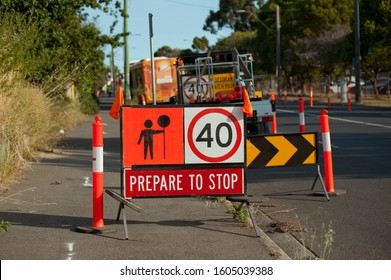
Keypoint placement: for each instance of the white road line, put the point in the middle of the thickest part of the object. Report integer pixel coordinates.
(87, 182)
(70, 250)
(359, 122)
(340, 119)
(19, 192)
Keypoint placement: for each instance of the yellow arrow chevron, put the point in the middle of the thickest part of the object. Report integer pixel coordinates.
(285, 150)
(252, 152)
(312, 140)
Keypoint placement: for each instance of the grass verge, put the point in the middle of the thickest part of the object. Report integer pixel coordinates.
(30, 122)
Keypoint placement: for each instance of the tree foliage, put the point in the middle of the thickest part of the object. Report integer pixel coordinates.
(239, 40)
(310, 31)
(63, 47)
(316, 38)
(234, 14)
(167, 51)
(375, 34)
(200, 45)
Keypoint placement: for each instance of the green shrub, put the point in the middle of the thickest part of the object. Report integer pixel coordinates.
(4, 226)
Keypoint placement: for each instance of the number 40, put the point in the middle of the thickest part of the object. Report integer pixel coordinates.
(206, 135)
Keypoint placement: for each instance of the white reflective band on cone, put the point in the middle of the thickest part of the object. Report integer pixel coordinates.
(301, 118)
(97, 159)
(326, 141)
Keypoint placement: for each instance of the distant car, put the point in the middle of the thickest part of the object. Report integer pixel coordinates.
(385, 88)
(368, 87)
(336, 86)
(365, 88)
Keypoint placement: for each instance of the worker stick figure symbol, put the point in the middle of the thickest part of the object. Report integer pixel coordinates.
(164, 121)
(148, 132)
(147, 135)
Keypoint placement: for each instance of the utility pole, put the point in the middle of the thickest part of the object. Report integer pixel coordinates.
(152, 59)
(126, 50)
(113, 84)
(278, 47)
(357, 57)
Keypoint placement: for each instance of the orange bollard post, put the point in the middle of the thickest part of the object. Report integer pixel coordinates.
(311, 96)
(328, 97)
(274, 121)
(97, 173)
(98, 226)
(301, 115)
(327, 154)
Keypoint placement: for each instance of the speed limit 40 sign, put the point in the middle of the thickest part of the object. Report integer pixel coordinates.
(214, 135)
(191, 87)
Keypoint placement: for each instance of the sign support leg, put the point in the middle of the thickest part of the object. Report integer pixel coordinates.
(122, 203)
(124, 220)
(121, 208)
(248, 200)
(253, 219)
(319, 175)
(119, 211)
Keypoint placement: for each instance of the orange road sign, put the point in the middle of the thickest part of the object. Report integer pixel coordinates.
(152, 136)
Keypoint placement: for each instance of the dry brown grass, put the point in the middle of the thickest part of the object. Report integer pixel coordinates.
(282, 226)
(29, 122)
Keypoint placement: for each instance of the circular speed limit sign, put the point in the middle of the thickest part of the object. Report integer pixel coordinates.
(214, 135)
(192, 87)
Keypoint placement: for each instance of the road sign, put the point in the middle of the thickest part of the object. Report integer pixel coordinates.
(282, 150)
(214, 135)
(192, 88)
(178, 182)
(152, 136)
(224, 83)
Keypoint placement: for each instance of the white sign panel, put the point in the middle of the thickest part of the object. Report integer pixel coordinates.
(214, 135)
(191, 88)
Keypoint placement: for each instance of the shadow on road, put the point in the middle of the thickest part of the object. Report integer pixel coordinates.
(71, 223)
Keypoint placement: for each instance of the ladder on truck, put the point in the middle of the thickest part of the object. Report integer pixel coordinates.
(204, 66)
(244, 70)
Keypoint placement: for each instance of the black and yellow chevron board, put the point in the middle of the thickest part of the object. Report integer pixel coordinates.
(282, 150)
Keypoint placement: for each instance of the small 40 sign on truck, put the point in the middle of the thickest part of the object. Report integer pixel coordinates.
(183, 151)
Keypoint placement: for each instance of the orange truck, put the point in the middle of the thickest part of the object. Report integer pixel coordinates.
(165, 80)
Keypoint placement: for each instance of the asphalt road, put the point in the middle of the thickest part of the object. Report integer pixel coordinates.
(54, 197)
(359, 222)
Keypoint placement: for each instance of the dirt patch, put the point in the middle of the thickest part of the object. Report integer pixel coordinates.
(285, 227)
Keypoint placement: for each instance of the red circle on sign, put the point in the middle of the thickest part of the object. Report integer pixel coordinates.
(188, 79)
(234, 148)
